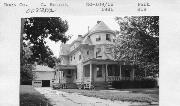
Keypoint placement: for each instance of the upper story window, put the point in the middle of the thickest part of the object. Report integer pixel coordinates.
(108, 37)
(114, 40)
(79, 57)
(98, 38)
(88, 52)
(71, 58)
(108, 50)
(98, 51)
(74, 57)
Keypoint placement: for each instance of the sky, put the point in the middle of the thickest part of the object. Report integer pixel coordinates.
(78, 25)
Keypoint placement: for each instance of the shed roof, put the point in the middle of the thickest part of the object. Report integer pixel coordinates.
(43, 68)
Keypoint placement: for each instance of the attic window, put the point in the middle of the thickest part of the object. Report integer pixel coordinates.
(98, 38)
(108, 37)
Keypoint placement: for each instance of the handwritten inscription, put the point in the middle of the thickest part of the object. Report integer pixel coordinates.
(42, 10)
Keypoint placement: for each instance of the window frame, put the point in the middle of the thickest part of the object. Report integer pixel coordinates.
(98, 38)
(80, 57)
(97, 53)
(108, 37)
(99, 72)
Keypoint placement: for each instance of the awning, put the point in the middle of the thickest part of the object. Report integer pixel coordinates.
(66, 67)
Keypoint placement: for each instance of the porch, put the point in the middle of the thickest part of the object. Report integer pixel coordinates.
(97, 70)
(66, 73)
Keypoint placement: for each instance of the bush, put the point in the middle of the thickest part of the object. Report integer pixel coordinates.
(143, 83)
(26, 82)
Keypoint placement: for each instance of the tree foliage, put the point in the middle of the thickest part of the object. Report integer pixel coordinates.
(37, 30)
(34, 33)
(138, 41)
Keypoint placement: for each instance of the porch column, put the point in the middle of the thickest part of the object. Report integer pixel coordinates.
(133, 73)
(106, 73)
(90, 72)
(120, 72)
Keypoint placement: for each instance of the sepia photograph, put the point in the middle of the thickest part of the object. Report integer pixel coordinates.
(89, 61)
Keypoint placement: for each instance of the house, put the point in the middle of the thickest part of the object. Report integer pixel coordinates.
(89, 59)
(43, 76)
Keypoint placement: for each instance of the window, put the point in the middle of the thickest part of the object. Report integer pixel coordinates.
(98, 53)
(74, 57)
(108, 50)
(108, 37)
(69, 71)
(87, 70)
(88, 52)
(114, 40)
(99, 70)
(98, 38)
(71, 58)
(113, 70)
(79, 57)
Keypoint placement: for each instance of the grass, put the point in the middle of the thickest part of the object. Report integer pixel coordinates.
(30, 97)
(135, 95)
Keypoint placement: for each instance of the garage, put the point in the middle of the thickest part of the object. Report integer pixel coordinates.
(45, 83)
(43, 76)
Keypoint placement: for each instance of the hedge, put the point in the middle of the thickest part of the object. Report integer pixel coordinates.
(144, 83)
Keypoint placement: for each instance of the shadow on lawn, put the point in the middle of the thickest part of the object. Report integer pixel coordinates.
(30, 97)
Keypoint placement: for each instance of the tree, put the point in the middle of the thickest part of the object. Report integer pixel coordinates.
(37, 30)
(138, 42)
(34, 32)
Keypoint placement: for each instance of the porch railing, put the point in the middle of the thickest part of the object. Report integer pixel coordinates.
(116, 78)
(113, 78)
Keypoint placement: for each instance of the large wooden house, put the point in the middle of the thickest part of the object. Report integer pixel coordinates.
(89, 59)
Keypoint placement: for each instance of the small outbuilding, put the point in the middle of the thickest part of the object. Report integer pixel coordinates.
(43, 76)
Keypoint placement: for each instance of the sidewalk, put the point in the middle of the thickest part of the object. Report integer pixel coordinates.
(60, 98)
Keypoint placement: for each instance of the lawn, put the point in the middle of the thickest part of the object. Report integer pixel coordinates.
(131, 95)
(30, 97)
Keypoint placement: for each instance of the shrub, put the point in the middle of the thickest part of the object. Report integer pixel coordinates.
(143, 83)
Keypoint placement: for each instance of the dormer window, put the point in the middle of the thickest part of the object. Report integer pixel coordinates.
(108, 37)
(98, 38)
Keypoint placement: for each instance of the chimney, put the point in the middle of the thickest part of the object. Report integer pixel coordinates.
(98, 22)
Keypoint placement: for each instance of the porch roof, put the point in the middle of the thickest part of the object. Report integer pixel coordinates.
(101, 61)
(66, 67)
